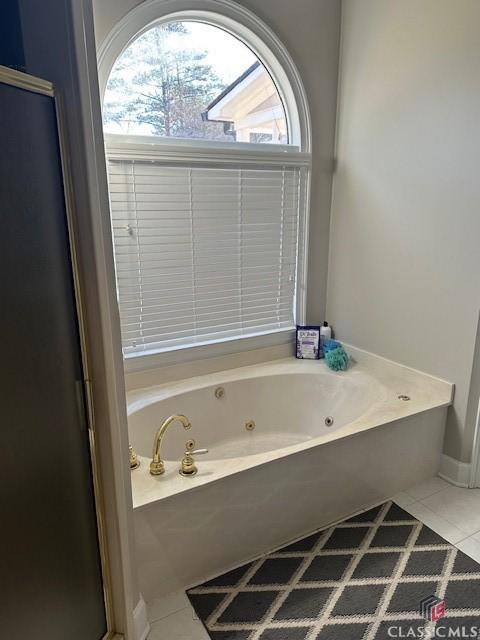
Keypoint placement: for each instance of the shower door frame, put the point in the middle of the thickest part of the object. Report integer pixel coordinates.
(43, 87)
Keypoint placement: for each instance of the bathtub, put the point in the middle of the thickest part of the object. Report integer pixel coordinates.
(291, 446)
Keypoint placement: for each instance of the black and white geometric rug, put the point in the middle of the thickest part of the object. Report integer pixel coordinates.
(379, 575)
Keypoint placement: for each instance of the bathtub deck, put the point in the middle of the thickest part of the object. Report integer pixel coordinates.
(388, 381)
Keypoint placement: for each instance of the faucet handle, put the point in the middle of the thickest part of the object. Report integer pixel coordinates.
(133, 458)
(187, 466)
(190, 445)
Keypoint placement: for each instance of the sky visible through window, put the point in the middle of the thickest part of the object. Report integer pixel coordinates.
(165, 81)
(228, 56)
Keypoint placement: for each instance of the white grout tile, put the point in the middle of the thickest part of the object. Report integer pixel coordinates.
(459, 506)
(181, 625)
(426, 489)
(440, 525)
(403, 499)
(162, 607)
(471, 547)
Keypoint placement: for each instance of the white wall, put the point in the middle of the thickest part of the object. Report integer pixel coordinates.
(404, 268)
(310, 29)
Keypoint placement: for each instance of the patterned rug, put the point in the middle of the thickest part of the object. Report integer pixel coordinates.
(379, 575)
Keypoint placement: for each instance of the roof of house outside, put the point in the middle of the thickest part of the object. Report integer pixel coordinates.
(230, 87)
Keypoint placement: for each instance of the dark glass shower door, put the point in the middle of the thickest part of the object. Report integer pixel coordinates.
(50, 572)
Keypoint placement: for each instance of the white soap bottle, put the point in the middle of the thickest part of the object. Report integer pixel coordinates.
(325, 332)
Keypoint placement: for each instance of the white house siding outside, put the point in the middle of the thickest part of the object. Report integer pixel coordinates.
(253, 108)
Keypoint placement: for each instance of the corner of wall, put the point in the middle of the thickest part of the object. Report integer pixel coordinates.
(334, 156)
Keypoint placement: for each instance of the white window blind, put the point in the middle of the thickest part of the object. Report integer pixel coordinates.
(203, 254)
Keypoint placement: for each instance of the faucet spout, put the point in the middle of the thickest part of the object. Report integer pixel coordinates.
(157, 466)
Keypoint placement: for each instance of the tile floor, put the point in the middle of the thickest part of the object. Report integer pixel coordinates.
(452, 512)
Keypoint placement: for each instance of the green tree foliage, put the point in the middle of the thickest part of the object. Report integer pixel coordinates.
(162, 81)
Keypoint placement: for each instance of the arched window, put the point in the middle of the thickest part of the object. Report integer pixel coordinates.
(185, 79)
(208, 162)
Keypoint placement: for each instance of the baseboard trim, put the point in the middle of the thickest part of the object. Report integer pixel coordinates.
(454, 471)
(140, 620)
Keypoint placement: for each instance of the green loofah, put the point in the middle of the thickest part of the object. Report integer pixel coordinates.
(337, 359)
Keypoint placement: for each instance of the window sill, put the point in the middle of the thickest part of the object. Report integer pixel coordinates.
(146, 362)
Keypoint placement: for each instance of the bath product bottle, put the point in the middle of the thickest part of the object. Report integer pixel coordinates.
(325, 332)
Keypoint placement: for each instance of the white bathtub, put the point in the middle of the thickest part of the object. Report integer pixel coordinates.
(289, 405)
(257, 489)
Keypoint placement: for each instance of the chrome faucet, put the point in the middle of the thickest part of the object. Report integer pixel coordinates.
(157, 466)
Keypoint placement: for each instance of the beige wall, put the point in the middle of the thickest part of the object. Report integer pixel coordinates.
(404, 271)
(310, 29)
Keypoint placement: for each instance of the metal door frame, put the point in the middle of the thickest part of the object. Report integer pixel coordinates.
(31, 83)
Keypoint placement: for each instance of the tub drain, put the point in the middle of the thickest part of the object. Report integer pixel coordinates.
(250, 425)
(328, 421)
(403, 397)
